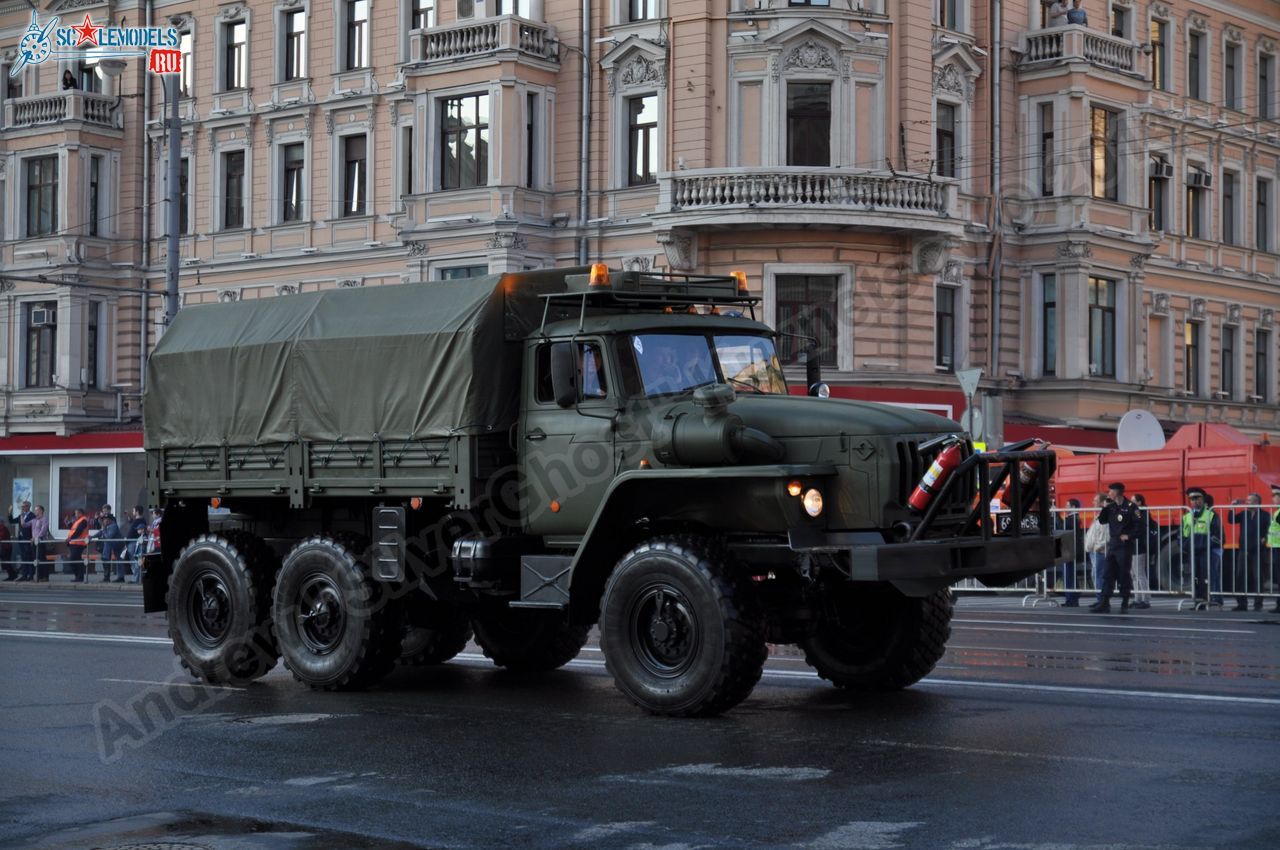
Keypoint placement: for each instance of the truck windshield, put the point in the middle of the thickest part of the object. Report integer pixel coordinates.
(675, 363)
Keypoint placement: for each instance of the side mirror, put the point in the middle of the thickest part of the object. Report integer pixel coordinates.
(813, 372)
(564, 373)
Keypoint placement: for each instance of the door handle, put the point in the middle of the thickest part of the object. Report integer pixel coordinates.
(535, 435)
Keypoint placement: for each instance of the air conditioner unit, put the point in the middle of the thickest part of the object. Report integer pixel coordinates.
(41, 317)
(1162, 170)
(1200, 180)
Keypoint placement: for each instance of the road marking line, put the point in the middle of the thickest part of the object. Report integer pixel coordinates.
(1112, 692)
(1065, 625)
(20, 633)
(135, 604)
(906, 745)
(186, 684)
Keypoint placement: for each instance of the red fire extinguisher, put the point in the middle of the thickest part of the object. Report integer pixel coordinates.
(1027, 469)
(939, 471)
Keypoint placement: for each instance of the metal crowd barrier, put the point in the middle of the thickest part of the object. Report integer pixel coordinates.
(55, 554)
(1234, 566)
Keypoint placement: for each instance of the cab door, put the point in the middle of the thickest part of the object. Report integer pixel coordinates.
(566, 453)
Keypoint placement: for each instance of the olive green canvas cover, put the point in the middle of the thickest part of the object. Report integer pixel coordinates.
(393, 362)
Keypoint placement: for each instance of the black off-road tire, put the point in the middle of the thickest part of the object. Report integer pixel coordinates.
(433, 634)
(526, 640)
(219, 608)
(337, 628)
(682, 636)
(872, 638)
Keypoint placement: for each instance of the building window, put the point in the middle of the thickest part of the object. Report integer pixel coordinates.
(13, 85)
(233, 190)
(464, 141)
(88, 78)
(1230, 229)
(1195, 204)
(292, 165)
(1262, 365)
(1266, 86)
(235, 55)
(1265, 227)
(1046, 150)
(807, 306)
(1159, 55)
(422, 16)
(1195, 66)
(357, 48)
(945, 140)
(1158, 193)
(95, 194)
(519, 8)
(1102, 327)
(642, 10)
(184, 197)
(91, 345)
(295, 44)
(1105, 153)
(1229, 336)
(947, 14)
(354, 171)
(41, 174)
(809, 124)
(1119, 21)
(642, 140)
(530, 140)
(945, 329)
(184, 76)
(1049, 325)
(1231, 76)
(406, 154)
(463, 272)
(42, 343)
(1191, 358)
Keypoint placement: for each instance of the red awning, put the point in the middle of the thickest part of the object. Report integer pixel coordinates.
(109, 441)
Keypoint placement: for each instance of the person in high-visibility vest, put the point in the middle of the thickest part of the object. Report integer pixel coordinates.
(77, 540)
(1202, 546)
(1271, 563)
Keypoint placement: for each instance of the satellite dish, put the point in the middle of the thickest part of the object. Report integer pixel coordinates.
(1139, 431)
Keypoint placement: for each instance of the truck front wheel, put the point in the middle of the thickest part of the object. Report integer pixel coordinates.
(681, 635)
(219, 607)
(433, 634)
(527, 640)
(872, 638)
(338, 628)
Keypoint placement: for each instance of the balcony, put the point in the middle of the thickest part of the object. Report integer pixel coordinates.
(95, 109)
(793, 196)
(488, 38)
(1078, 44)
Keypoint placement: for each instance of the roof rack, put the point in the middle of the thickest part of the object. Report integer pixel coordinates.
(605, 289)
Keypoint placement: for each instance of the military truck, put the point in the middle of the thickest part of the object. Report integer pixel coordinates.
(358, 477)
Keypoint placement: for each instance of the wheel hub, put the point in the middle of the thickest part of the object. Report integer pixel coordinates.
(209, 602)
(321, 614)
(665, 630)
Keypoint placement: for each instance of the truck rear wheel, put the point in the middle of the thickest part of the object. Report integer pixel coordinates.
(433, 635)
(337, 628)
(876, 639)
(681, 635)
(219, 608)
(527, 640)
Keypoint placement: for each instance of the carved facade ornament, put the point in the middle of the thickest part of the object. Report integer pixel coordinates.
(180, 22)
(1233, 313)
(231, 13)
(7, 286)
(228, 296)
(930, 256)
(70, 5)
(1139, 261)
(1266, 45)
(328, 123)
(287, 289)
(1075, 251)
(1198, 308)
(1160, 10)
(417, 247)
(1234, 34)
(503, 241)
(10, 55)
(681, 249)
(953, 272)
(641, 71)
(1160, 304)
(351, 283)
(1198, 22)
(951, 78)
(1267, 319)
(290, 4)
(809, 56)
(637, 264)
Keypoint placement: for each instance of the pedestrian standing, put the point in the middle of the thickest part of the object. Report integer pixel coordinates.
(39, 526)
(1069, 521)
(1145, 547)
(1120, 515)
(1057, 12)
(1076, 14)
(6, 553)
(137, 528)
(1202, 547)
(1095, 545)
(77, 540)
(22, 550)
(1246, 572)
(1273, 547)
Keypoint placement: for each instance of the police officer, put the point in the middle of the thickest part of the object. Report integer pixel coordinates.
(1271, 559)
(1202, 545)
(1122, 520)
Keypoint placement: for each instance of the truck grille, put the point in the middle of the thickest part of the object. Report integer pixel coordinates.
(912, 464)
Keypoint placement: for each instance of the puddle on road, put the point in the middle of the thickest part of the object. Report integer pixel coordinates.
(186, 831)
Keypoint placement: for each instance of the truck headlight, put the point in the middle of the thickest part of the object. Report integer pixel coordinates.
(812, 502)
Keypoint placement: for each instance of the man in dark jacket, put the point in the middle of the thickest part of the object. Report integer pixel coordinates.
(1250, 546)
(1121, 518)
(1069, 520)
(23, 551)
(1202, 547)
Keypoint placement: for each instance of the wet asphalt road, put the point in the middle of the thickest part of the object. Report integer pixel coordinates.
(1044, 728)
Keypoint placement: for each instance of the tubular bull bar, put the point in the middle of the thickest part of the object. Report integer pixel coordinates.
(939, 550)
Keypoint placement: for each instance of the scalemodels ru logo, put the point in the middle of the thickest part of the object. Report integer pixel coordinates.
(97, 41)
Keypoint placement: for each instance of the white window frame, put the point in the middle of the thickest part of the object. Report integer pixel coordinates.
(1268, 389)
(1273, 199)
(959, 335)
(107, 191)
(961, 137)
(1131, 15)
(1206, 78)
(60, 197)
(1170, 33)
(620, 13)
(845, 274)
(406, 25)
(340, 38)
(1274, 102)
(19, 343)
(496, 8)
(1237, 366)
(544, 137)
(276, 178)
(101, 307)
(280, 12)
(431, 144)
(1239, 221)
(226, 19)
(1202, 358)
(1241, 99)
(962, 16)
(1037, 323)
(219, 185)
(57, 464)
(619, 141)
(339, 170)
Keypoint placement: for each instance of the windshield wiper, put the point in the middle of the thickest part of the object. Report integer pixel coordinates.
(755, 389)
